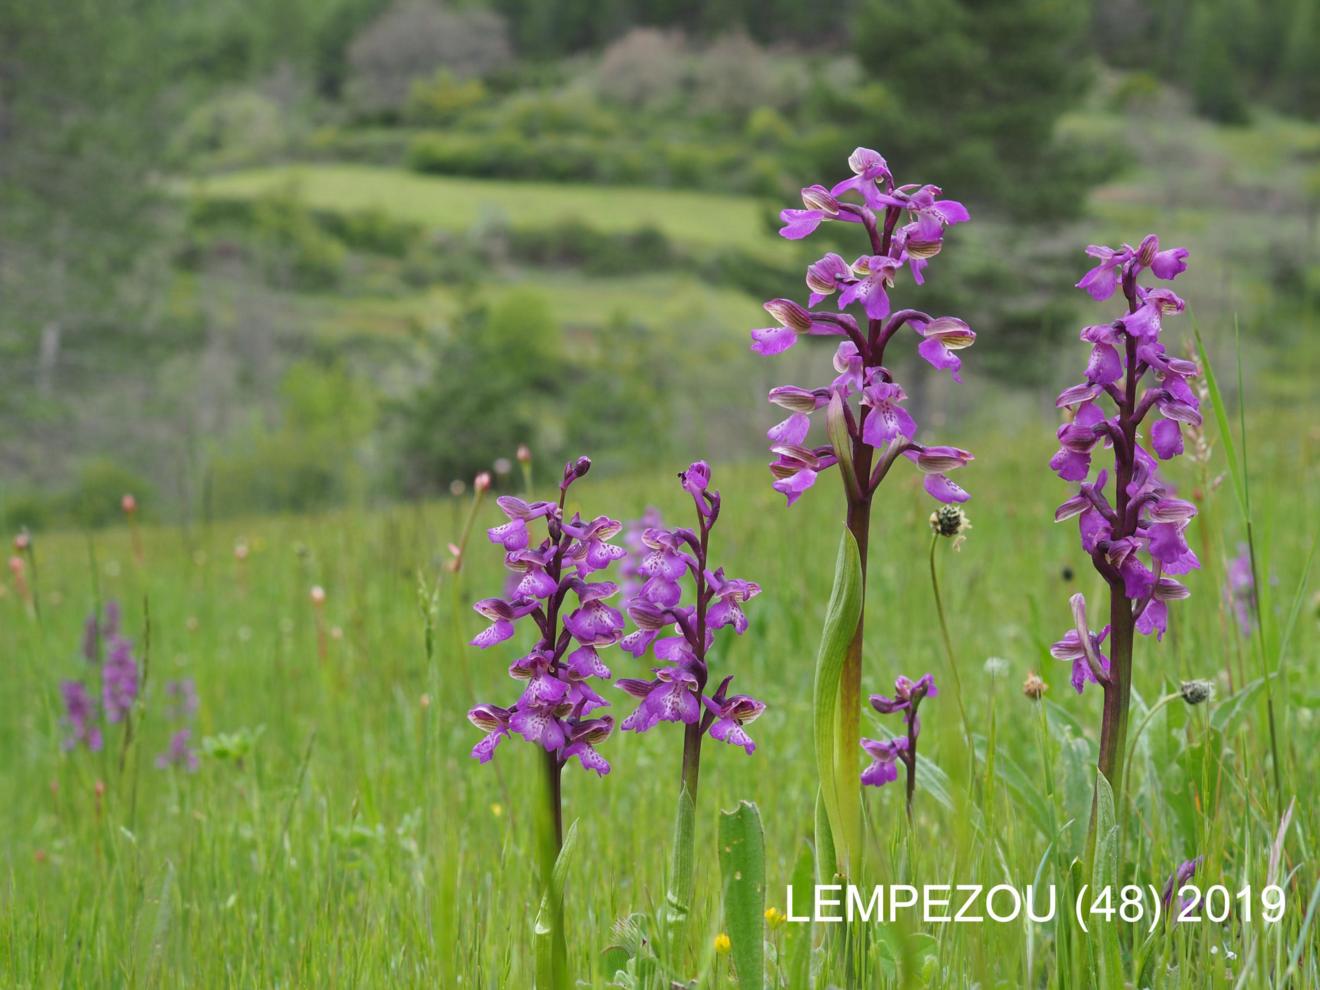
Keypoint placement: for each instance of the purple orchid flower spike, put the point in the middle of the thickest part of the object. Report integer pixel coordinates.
(571, 620)
(879, 428)
(887, 754)
(679, 632)
(1177, 880)
(901, 228)
(677, 693)
(1135, 528)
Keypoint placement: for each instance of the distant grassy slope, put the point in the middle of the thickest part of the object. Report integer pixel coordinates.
(658, 300)
(457, 203)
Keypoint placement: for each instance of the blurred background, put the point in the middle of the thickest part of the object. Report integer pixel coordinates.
(295, 254)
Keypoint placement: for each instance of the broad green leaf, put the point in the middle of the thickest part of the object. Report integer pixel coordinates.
(679, 898)
(742, 865)
(551, 956)
(841, 617)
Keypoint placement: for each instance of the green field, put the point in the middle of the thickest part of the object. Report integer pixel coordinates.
(357, 844)
(456, 203)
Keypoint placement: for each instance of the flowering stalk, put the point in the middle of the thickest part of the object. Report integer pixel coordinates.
(887, 754)
(129, 506)
(949, 522)
(480, 486)
(26, 548)
(1144, 522)
(679, 690)
(868, 435)
(554, 709)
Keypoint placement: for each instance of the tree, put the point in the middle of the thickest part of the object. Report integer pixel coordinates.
(83, 116)
(496, 384)
(980, 85)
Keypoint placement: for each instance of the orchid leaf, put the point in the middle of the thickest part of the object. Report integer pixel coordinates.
(742, 864)
(841, 617)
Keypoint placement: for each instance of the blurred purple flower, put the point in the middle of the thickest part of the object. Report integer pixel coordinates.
(182, 699)
(119, 679)
(180, 752)
(80, 716)
(1240, 589)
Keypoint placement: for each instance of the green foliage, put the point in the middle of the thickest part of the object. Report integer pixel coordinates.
(443, 97)
(21, 510)
(95, 497)
(577, 244)
(313, 458)
(1215, 82)
(495, 383)
(238, 127)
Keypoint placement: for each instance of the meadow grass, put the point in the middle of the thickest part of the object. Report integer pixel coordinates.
(357, 844)
(457, 203)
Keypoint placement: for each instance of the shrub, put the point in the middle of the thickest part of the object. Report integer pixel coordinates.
(496, 383)
(645, 67)
(371, 229)
(443, 98)
(26, 510)
(576, 244)
(412, 41)
(233, 128)
(734, 76)
(95, 497)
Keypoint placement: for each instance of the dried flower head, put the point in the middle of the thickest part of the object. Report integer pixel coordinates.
(1196, 692)
(949, 520)
(1034, 687)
